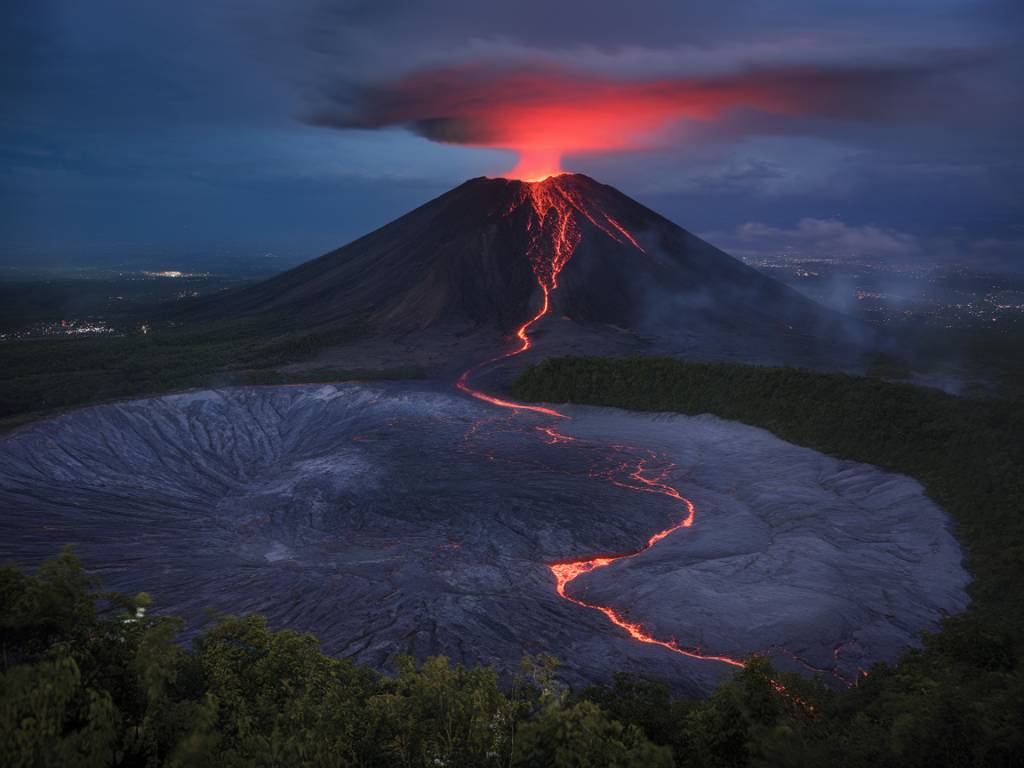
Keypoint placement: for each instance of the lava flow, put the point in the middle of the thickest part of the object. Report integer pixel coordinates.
(553, 239)
(567, 572)
(554, 235)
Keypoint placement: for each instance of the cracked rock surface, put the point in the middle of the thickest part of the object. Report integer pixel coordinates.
(401, 517)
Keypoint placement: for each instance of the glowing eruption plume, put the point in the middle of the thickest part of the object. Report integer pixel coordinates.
(537, 164)
(544, 110)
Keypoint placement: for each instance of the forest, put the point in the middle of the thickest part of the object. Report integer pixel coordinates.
(41, 377)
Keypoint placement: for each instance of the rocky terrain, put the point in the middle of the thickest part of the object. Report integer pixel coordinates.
(404, 518)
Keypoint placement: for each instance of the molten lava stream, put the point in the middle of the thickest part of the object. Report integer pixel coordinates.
(554, 215)
(567, 572)
(463, 381)
(553, 211)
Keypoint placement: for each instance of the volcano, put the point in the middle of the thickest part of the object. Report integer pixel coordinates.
(595, 270)
(405, 518)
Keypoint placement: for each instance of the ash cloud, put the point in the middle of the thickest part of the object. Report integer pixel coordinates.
(511, 104)
(899, 114)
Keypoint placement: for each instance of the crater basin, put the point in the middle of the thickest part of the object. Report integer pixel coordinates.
(403, 518)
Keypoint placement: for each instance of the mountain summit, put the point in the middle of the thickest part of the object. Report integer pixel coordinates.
(491, 254)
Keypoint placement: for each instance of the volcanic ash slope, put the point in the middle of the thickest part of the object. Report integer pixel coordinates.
(396, 518)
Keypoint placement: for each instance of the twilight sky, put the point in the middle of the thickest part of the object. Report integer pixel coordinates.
(296, 125)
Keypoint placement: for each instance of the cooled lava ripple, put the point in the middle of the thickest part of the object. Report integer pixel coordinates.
(404, 518)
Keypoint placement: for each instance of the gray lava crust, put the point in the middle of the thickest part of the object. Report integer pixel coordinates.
(403, 519)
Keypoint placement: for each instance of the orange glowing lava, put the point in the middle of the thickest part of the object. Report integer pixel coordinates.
(554, 236)
(524, 344)
(553, 239)
(537, 165)
(567, 572)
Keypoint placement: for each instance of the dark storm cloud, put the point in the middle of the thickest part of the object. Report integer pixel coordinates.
(899, 113)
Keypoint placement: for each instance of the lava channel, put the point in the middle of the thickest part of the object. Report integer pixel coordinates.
(552, 222)
(554, 237)
(569, 570)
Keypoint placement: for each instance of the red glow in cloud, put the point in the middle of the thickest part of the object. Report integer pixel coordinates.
(545, 114)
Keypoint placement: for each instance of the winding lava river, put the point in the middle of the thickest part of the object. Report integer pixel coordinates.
(554, 237)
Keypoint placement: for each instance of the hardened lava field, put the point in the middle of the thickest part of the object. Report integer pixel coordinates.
(403, 518)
